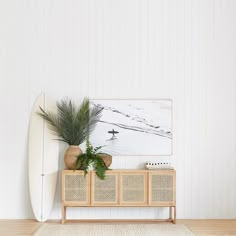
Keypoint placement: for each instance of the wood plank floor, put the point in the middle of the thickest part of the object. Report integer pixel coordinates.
(210, 227)
(198, 227)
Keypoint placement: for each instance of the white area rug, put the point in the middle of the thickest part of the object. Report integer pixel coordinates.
(113, 230)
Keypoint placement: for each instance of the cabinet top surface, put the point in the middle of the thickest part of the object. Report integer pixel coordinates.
(123, 170)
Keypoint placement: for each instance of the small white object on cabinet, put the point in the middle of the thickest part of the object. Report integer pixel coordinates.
(158, 165)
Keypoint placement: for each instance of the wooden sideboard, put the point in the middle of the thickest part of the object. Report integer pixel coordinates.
(121, 188)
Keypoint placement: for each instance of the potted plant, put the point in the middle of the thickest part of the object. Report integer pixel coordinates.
(72, 124)
(91, 159)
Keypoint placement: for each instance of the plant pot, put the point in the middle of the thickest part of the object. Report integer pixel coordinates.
(106, 158)
(70, 156)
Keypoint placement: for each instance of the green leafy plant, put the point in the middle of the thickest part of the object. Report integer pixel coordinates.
(72, 123)
(91, 157)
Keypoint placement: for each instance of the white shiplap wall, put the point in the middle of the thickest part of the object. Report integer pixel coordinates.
(179, 49)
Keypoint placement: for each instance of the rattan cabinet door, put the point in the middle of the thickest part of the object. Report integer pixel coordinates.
(104, 192)
(162, 188)
(75, 188)
(133, 188)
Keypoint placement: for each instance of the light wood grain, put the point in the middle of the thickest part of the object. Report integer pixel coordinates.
(118, 186)
(210, 227)
(18, 227)
(150, 189)
(109, 202)
(73, 203)
(198, 227)
(143, 189)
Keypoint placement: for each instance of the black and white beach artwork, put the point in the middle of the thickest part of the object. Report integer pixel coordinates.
(134, 127)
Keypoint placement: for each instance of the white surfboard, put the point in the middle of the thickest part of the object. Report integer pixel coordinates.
(43, 153)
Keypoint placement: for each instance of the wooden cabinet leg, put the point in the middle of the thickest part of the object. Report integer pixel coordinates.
(170, 213)
(63, 214)
(174, 220)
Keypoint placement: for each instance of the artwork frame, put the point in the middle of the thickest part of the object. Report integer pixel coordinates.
(137, 124)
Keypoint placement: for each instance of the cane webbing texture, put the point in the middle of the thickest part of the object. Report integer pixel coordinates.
(162, 188)
(105, 190)
(75, 188)
(133, 188)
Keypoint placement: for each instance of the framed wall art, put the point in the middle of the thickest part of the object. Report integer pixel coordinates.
(134, 127)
